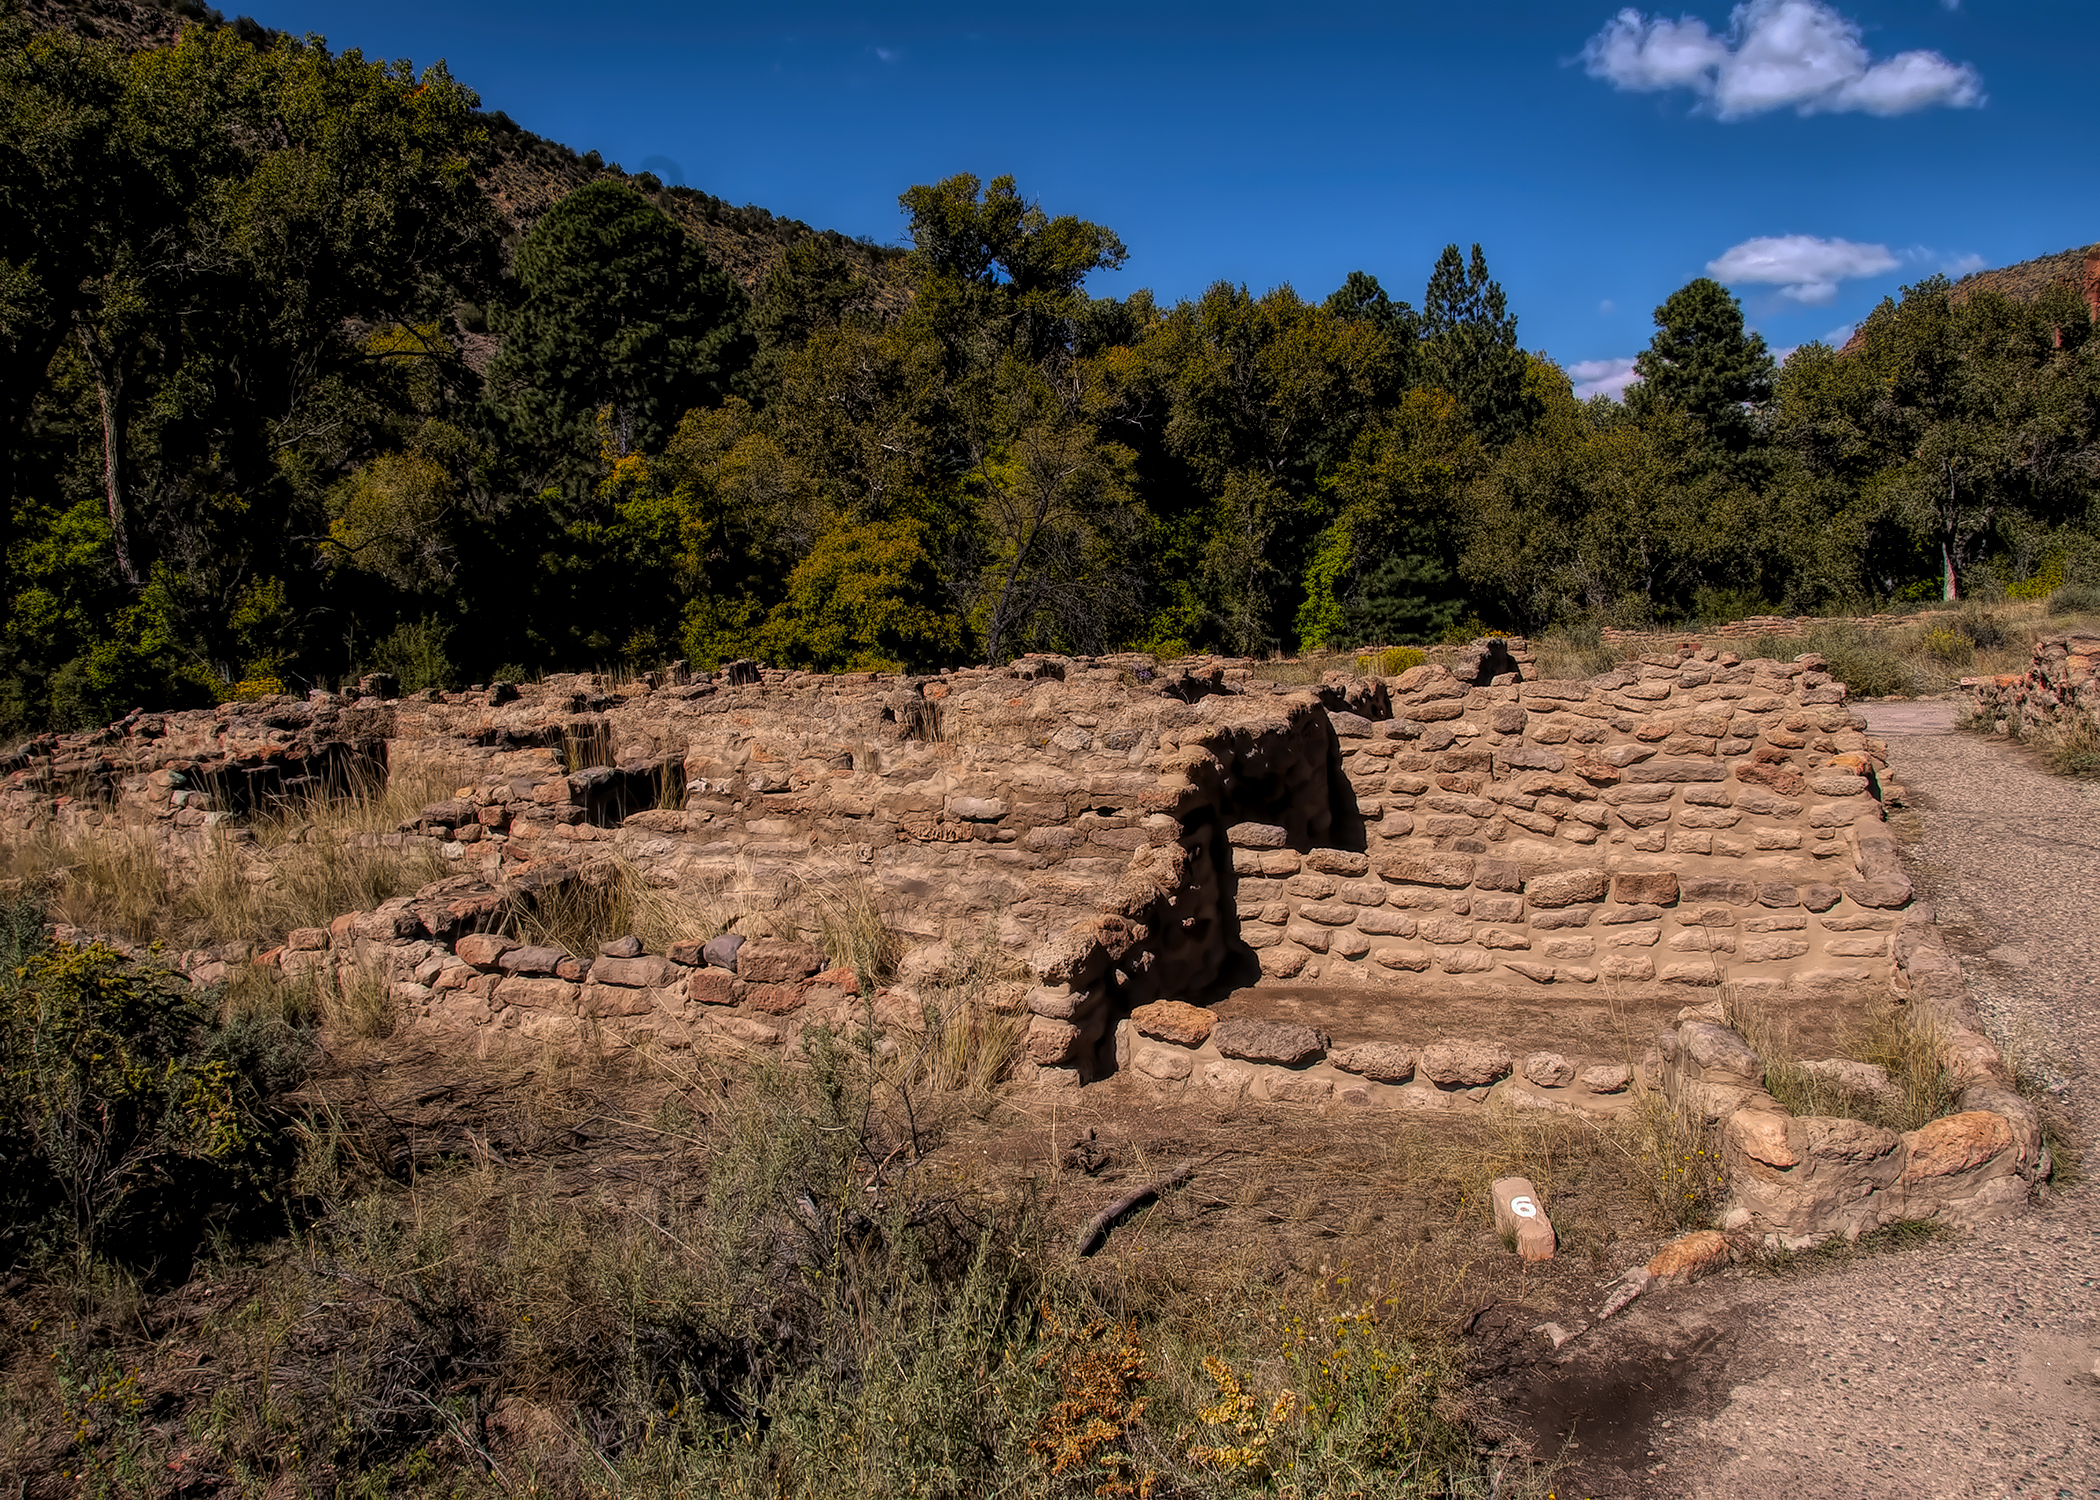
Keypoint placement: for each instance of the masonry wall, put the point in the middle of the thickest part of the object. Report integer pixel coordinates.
(1124, 832)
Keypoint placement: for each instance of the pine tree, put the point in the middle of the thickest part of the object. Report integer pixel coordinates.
(1702, 361)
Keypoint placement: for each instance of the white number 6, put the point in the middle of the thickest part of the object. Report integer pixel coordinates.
(1523, 1208)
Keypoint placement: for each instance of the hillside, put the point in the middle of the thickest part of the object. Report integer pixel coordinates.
(2027, 281)
(527, 174)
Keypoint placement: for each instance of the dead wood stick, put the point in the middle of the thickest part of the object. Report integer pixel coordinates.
(1097, 1228)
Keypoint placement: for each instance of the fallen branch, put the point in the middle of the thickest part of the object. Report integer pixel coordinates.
(1097, 1228)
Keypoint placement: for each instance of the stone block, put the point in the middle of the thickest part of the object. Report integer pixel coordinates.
(1549, 1070)
(1284, 961)
(1537, 973)
(1413, 960)
(1462, 1063)
(1650, 888)
(1163, 1063)
(646, 972)
(1449, 870)
(1347, 943)
(1717, 1049)
(1338, 862)
(1328, 913)
(1307, 935)
(1051, 1043)
(1628, 967)
(1256, 836)
(532, 993)
(1503, 939)
(1292, 1088)
(1718, 888)
(713, 987)
(1285, 1043)
(1380, 922)
(1520, 1218)
(1498, 875)
(1174, 1021)
(1606, 1078)
(1566, 888)
(1382, 1062)
(773, 961)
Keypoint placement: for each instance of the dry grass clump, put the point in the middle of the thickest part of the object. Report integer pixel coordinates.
(1904, 1044)
(300, 867)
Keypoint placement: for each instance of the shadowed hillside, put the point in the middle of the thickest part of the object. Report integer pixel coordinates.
(527, 174)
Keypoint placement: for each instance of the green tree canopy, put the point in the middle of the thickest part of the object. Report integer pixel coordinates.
(1703, 361)
(615, 310)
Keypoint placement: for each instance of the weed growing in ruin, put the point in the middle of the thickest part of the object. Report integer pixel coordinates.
(2071, 747)
(1674, 1157)
(1904, 1044)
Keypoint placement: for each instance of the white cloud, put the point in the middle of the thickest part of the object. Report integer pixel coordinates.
(889, 54)
(1838, 336)
(1775, 54)
(1804, 268)
(1607, 307)
(1959, 266)
(1601, 377)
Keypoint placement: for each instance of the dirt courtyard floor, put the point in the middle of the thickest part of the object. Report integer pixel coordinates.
(1961, 1367)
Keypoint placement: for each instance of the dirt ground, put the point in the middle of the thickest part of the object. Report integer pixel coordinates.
(1962, 1367)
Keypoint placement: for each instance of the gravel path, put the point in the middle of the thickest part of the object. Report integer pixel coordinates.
(1964, 1367)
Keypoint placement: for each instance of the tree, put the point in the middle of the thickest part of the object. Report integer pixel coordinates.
(1469, 346)
(1702, 360)
(615, 309)
(991, 267)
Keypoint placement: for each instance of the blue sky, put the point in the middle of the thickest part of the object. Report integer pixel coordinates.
(1816, 154)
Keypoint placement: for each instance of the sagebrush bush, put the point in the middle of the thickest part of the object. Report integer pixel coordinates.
(2076, 599)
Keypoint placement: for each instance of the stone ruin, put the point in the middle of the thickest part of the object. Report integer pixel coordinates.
(1422, 892)
(2060, 688)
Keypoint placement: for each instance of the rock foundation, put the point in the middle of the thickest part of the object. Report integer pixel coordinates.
(1132, 841)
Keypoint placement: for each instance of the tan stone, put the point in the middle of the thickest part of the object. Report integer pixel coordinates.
(1658, 888)
(1763, 1136)
(1465, 1064)
(1174, 1021)
(1565, 888)
(1955, 1143)
(1520, 1218)
(1697, 1254)
(1382, 1062)
(1282, 1042)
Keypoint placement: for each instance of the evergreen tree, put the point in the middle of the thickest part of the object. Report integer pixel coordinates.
(1469, 346)
(1703, 361)
(616, 311)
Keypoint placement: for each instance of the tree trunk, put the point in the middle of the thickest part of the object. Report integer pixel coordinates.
(109, 388)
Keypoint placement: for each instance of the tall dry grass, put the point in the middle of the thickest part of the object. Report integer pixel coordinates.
(299, 866)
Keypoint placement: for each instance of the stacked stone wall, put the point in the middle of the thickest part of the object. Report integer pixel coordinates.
(2059, 689)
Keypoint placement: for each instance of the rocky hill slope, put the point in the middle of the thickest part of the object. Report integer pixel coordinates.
(526, 175)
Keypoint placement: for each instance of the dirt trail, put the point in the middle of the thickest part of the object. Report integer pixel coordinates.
(1961, 1368)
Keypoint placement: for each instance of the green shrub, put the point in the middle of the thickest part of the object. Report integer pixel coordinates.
(1391, 662)
(1981, 628)
(2076, 599)
(1948, 646)
(124, 1107)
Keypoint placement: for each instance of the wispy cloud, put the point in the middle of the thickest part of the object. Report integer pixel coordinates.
(1806, 269)
(1775, 54)
(888, 54)
(1601, 377)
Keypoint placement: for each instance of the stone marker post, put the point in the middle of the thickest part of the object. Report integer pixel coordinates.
(1520, 1219)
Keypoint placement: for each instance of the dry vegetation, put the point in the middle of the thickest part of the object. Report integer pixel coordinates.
(302, 866)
